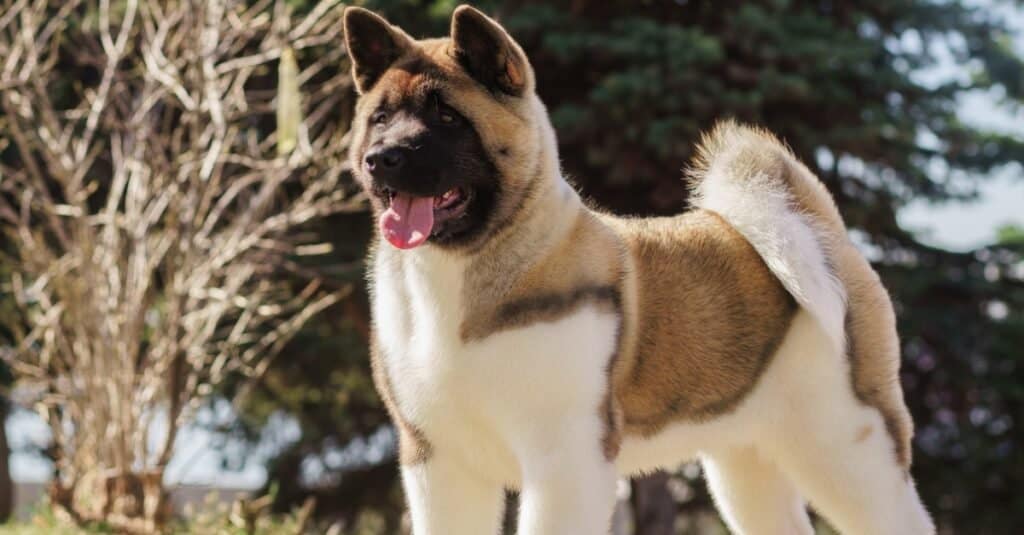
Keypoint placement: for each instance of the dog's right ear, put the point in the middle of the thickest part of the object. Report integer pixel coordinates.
(373, 45)
(488, 52)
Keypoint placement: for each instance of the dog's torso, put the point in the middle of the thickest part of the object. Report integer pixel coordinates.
(634, 323)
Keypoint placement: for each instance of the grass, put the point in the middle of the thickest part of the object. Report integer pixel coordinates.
(210, 519)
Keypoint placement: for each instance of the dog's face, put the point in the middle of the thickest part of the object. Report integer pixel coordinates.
(445, 132)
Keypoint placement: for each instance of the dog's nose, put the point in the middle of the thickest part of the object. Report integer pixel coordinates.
(385, 161)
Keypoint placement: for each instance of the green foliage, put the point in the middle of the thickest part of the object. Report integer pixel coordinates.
(1010, 235)
(43, 519)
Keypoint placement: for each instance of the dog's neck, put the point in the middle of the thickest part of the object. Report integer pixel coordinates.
(544, 217)
(547, 214)
(543, 221)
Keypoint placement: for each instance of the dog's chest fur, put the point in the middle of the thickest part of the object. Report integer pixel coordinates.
(484, 397)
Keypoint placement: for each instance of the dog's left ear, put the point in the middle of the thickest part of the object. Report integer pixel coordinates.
(488, 53)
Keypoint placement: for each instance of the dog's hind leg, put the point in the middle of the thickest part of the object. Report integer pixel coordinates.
(850, 477)
(753, 495)
(837, 450)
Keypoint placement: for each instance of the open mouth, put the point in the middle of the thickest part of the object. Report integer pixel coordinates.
(451, 204)
(408, 221)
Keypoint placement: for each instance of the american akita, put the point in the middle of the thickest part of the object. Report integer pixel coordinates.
(523, 340)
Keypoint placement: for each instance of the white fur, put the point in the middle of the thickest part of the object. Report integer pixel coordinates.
(763, 212)
(753, 494)
(444, 497)
(518, 409)
(798, 429)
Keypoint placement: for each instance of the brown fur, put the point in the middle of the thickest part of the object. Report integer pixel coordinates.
(575, 271)
(701, 313)
(710, 317)
(873, 343)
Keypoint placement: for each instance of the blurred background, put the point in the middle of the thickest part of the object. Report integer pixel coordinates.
(909, 110)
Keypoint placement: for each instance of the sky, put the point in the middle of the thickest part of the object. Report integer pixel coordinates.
(963, 226)
(955, 225)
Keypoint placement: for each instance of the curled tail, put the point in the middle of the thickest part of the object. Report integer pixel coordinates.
(756, 184)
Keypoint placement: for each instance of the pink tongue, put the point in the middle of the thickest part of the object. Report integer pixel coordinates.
(408, 221)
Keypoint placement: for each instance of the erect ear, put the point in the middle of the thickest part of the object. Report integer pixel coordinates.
(373, 45)
(488, 52)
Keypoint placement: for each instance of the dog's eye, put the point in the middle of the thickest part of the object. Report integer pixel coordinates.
(444, 113)
(379, 117)
(447, 115)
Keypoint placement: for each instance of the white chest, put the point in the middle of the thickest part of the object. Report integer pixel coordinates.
(480, 398)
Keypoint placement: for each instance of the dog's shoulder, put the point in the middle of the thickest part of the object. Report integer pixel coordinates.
(585, 266)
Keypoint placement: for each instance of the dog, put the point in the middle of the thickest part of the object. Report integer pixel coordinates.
(523, 340)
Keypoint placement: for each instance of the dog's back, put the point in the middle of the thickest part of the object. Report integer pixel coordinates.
(709, 316)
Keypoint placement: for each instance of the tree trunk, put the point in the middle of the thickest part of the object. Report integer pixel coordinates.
(6, 485)
(654, 509)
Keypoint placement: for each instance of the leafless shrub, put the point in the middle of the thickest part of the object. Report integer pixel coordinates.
(149, 212)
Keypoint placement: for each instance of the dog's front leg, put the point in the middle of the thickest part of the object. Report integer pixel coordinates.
(568, 486)
(446, 499)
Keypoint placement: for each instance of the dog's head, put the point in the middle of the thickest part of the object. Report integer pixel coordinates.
(447, 133)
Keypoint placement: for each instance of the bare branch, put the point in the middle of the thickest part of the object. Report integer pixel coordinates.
(156, 230)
